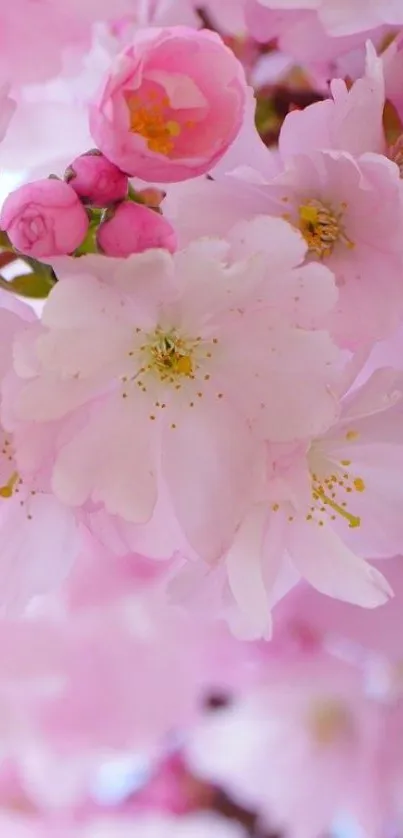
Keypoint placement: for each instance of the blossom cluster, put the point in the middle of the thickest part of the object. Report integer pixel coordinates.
(201, 417)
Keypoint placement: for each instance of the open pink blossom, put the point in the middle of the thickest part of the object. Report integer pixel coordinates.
(329, 504)
(55, 664)
(311, 719)
(349, 121)
(350, 213)
(339, 500)
(171, 105)
(38, 535)
(199, 364)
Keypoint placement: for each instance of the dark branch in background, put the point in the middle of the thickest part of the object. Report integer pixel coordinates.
(223, 804)
(274, 102)
(205, 19)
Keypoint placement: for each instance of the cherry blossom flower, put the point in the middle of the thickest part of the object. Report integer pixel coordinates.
(160, 115)
(330, 503)
(312, 719)
(38, 535)
(350, 213)
(349, 121)
(198, 369)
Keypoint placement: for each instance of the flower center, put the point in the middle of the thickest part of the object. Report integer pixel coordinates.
(328, 720)
(165, 362)
(151, 120)
(331, 492)
(8, 489)
(322, 228)
(169, 355)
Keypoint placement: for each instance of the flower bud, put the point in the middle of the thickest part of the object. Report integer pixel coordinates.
(44, 218)
(133, 228)
(96, 180)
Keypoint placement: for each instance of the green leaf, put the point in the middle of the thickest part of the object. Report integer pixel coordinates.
(5, 241)
(34, 285)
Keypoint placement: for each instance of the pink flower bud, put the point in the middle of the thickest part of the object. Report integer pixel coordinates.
(134, 228)
(171, 106)
(96, 180)
(44, 219)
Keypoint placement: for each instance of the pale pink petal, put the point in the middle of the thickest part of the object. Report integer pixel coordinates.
(110, 461)
(328, 564)
(245, 574)
(38, 543)
(209, 462)
(44, 399)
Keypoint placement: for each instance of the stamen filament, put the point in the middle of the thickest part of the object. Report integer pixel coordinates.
(353, 520)
(7, 490)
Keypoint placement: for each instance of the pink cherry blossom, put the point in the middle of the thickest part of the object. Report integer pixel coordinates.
(160, 115)
(197, 356)
(361, 200)
(44, 218)
(352, 494)
(350, 212)
(38, 535)
(55, 665)
(350, 121)
(312, 719)
(330, 503)
(133, 228)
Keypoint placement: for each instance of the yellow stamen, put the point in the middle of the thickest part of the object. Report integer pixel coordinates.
(351, 435)
(328, 720)
(322, 228)
(184, 365)
(353, 520)
(359, 484)
(7, 490)
(150, 121)
(170, 355)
